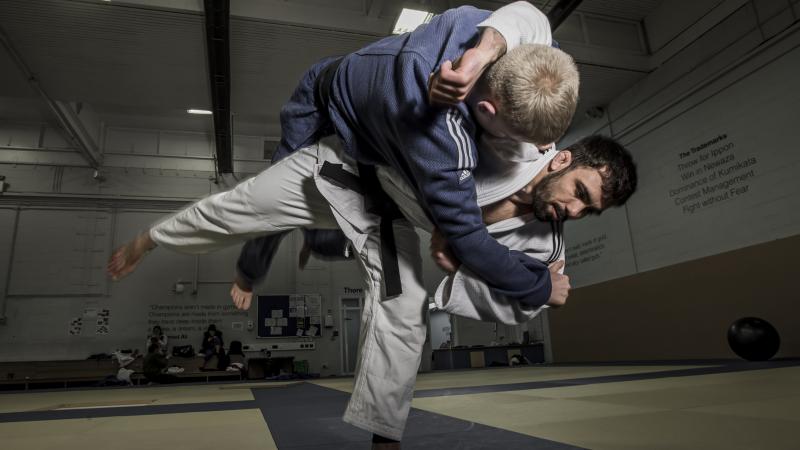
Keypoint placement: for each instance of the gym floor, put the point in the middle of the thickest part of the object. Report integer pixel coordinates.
(710, 405)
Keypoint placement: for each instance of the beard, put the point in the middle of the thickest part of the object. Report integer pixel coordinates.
(543, 199)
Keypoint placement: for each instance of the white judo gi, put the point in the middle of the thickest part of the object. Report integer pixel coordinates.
(292, 194)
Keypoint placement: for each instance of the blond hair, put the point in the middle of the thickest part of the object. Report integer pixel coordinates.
(536, 90)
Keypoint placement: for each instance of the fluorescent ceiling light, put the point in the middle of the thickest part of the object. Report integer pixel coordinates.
(410, 19)
(198, 111)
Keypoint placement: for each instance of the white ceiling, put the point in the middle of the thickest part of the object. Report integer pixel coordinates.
(137, 61)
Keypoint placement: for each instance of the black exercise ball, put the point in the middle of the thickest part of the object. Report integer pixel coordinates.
(753, 339)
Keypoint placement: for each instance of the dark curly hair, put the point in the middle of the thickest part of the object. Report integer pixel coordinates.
(613, 161)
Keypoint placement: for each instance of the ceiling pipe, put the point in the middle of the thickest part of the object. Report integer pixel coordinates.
(217, 15)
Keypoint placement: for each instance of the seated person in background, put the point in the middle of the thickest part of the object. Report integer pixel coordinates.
(155, 364)
(158, 335)
(211, 337)
(217, 360)
(154, 341)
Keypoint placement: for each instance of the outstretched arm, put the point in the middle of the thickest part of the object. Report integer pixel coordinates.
(465, 294)
(441, 161)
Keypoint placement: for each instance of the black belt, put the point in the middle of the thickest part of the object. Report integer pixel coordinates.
(379, 203)
(366, 184)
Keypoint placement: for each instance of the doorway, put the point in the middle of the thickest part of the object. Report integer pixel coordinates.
(351, 328)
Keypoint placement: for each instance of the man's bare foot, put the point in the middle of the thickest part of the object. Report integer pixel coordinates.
(241, 293)
(125, 259)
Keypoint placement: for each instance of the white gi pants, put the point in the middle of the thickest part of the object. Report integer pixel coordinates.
(393, 330)
(392, 335)
(282, 197)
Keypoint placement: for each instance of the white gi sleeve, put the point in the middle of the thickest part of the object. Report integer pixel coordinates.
(465, 295)
(520, 23)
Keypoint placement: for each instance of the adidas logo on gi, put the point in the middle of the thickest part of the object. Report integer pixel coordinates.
(464, 175)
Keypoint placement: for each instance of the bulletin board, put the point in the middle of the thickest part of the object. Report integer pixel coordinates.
(282, 316)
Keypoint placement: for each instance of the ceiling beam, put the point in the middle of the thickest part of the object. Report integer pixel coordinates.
(66, 114)
(373, 9)
(328, 16)
(560, 11)
(217, 14)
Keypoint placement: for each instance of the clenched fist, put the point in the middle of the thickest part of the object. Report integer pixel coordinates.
(560, 283)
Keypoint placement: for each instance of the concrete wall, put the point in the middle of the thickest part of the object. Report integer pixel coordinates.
(708, 237)
(682, 311)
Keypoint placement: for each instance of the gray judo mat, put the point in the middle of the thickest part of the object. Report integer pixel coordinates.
(307, 416)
